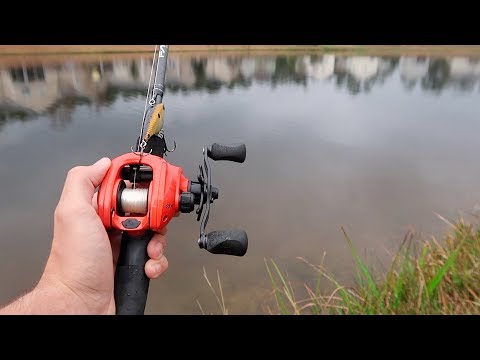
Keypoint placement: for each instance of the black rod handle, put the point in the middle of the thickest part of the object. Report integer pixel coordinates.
(131, 282)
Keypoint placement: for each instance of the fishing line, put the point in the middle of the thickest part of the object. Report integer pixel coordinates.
(140, 139)
(134, 201)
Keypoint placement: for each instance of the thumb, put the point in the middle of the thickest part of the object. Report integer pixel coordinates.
(82, 180)
(96, 172)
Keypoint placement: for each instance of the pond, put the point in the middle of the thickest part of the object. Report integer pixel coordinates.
(376, 145)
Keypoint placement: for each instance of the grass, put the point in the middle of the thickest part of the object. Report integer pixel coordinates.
(220, 299)
(427, 277)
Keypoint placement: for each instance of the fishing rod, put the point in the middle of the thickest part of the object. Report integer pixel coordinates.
(142, 192)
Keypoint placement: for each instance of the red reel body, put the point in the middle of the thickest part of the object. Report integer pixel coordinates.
(164, 190)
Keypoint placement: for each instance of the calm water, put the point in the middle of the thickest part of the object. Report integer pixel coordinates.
(374, 144)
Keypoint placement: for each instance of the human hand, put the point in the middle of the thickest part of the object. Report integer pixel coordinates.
(79, 274)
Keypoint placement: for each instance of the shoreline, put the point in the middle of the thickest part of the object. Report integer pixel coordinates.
(413, 50)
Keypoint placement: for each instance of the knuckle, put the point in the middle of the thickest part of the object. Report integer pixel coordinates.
(60, 214)
(75, 171)
(63, 213)
(57, 214)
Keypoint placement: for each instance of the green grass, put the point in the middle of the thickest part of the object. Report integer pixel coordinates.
(427, 277)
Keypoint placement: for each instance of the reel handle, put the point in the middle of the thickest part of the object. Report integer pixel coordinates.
(235, 153)
(228, 242)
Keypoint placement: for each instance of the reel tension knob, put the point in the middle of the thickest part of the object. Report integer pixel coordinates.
(186, 202)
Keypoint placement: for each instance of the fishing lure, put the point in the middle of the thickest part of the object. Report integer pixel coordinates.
(156, 121)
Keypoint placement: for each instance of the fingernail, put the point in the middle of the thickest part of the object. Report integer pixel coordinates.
(102, 162)
(157, 268)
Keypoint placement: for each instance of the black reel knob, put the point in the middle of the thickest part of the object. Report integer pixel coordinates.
(228, 242)
(236, 153)
(187, 202)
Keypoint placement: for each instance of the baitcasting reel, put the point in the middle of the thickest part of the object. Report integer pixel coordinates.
(157, 190)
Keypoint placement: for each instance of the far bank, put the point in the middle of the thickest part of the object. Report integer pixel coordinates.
(414, 50)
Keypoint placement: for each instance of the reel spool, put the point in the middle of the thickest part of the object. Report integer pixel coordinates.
(133, 201)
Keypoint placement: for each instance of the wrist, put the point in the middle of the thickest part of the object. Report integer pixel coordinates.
(21, 306)
(49, 297)
(52, 297)
(68, 297)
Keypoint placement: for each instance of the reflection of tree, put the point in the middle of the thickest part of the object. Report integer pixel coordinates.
(387, 68)
(14, 115)
(285, 71)
(409, 85)
(354, 86)
(343, 78)
(241, 82)
(106, 98)
(315, 58)
(134, 70)
(201, 80)
(198, 66)
(465, 84)
(61, 111)
(437, 75)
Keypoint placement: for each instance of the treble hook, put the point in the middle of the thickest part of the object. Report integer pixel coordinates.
(174, 146)
(161, 135)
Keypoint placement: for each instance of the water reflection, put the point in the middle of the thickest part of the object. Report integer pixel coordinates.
(374, 144)
(54, 90)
